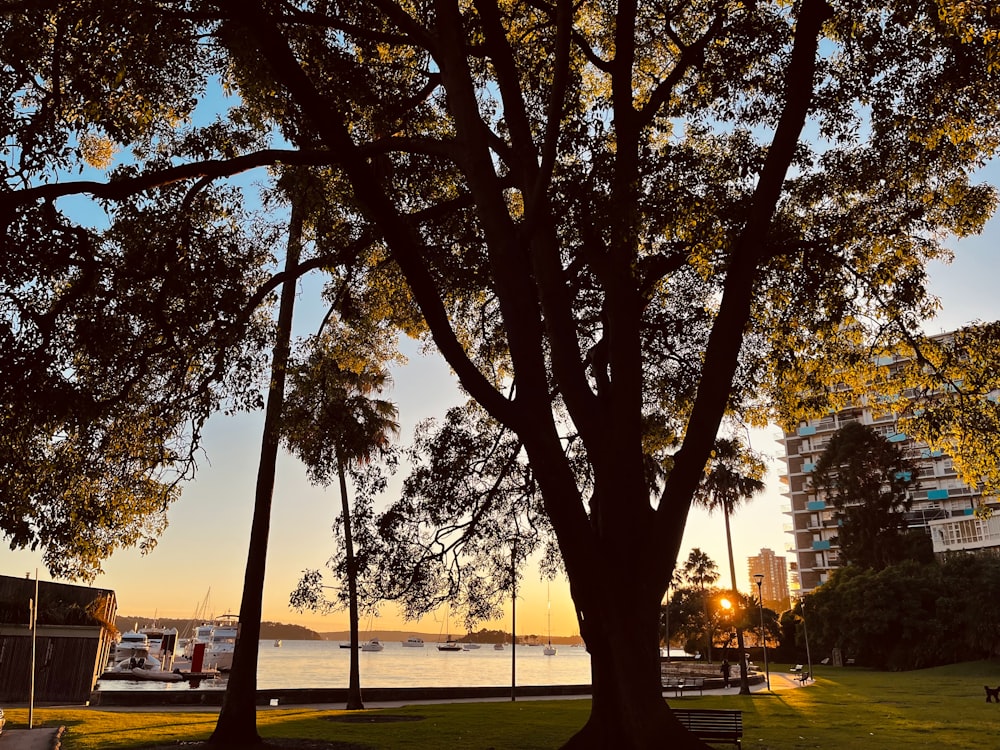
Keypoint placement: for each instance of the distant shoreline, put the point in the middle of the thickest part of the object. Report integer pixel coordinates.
(485, 638)
(270, 631)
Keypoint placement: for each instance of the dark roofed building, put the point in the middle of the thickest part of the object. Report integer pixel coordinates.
(74, 638)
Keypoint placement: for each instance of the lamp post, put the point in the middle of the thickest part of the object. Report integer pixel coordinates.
(666, 624)
(805, 632)
(759, 578)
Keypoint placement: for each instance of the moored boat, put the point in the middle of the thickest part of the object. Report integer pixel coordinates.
(413, 642)
(219, 652)
(373, 645)
(133, 644)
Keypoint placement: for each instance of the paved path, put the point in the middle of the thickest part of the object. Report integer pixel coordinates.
(40, 738)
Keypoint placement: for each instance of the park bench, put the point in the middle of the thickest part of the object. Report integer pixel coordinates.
(797, 668)
(713, 725)
(681, 684)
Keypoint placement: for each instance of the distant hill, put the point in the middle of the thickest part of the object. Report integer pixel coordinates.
(482, 636)
(268, 630)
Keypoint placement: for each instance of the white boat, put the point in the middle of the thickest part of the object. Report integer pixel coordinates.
(219, 652)
(133, 644)
(141, 661)
(202, 634)
(373, 645)
(162, 644)
(277, 643)
(471, 646)
(413, 642)
(549, 649)
(498, 647)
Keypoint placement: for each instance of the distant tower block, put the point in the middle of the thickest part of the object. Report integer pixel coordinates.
(774, 588)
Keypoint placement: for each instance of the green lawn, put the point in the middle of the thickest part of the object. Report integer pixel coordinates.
(846, 708)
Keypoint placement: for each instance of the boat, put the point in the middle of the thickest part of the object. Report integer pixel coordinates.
(498, 647)
(162, 643)
(549, 649)
(449, 644)
(277, 643)
(345, 644)
(373, 645)
(219, 650)
(202, 634)
(413, 642)
(132, 644)
(141, 661)
(471, 646)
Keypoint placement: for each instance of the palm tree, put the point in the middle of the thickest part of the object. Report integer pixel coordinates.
(732, 476)
(237, 723)
(332, 423)
(700, 570)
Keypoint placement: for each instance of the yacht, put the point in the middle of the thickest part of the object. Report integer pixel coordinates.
(219, 652)
(132, 644)
(413, 642)
(373, 645)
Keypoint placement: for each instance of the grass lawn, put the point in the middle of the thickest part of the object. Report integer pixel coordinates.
(845, 708)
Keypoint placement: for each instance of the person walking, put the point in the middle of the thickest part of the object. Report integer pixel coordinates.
(726, 670)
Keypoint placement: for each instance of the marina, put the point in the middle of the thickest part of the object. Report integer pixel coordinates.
(323, 664)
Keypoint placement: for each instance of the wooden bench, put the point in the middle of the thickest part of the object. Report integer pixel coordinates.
(797, 668)
(713, 725)
(682, 684)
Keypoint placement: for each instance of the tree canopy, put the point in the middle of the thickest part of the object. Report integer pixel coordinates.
(869, 481)
(620, 224)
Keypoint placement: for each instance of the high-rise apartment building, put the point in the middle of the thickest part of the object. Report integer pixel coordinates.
(774, 585)
(942, 505)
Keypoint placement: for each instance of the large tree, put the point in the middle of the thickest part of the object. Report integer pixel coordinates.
(870, 482)
(640, 216)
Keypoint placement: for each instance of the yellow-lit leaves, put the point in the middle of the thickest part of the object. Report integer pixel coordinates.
(97, 151)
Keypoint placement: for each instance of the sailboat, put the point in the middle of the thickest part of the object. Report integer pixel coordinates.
(549, 649)
(373, 644)
(449, 644)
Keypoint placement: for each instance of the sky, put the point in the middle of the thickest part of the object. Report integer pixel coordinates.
(201, 555)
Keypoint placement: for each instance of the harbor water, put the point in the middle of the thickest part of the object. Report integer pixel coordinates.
(324, 664)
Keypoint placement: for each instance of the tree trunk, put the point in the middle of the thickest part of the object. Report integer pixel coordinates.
(628, 708)
(237, 724)
(744, 678)
(354, 702)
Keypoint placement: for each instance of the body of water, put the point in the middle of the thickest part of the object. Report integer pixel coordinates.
(323, 664)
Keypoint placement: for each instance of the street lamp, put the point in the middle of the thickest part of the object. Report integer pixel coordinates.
(759, 578)
(805, 632)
